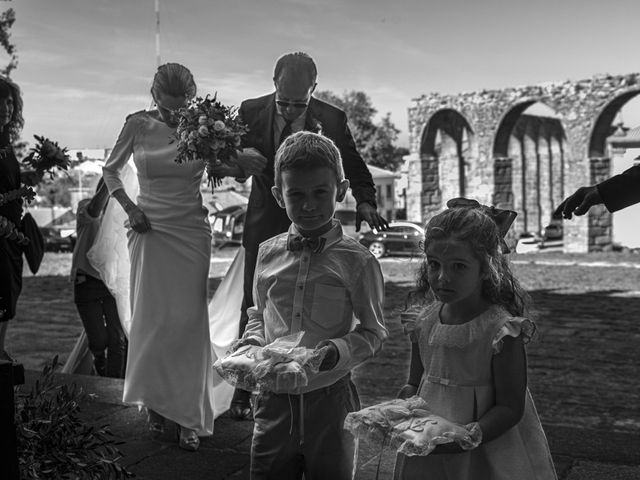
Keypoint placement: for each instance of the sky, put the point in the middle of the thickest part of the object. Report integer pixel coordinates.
(85, 64)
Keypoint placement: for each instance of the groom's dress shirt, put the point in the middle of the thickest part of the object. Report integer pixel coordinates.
(320, 294)
(278, 125)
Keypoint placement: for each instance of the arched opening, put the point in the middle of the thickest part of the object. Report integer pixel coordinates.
(623, 149)
(603, 127)
(446, 148)
(529, 155)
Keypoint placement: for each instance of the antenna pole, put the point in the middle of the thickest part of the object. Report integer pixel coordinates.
(157, 2)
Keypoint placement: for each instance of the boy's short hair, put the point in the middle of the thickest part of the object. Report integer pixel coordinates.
(307, 150)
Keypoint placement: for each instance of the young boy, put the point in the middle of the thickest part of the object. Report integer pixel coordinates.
(312, 279)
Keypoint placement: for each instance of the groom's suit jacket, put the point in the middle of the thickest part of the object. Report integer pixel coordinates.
(264, 217)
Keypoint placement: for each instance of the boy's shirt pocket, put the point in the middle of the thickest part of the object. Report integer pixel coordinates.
(328, 305)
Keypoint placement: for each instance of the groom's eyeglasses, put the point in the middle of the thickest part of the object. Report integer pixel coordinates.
(285, 104)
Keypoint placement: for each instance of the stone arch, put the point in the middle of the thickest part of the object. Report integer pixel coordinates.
(529, 162)
(603, 124)
(446, 145)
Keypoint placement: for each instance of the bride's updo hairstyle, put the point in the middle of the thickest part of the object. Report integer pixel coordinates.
(174, 80)
(12, 130)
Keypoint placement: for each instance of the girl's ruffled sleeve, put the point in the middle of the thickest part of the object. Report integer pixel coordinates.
(513, 327)
(411, 321)
(120, 154)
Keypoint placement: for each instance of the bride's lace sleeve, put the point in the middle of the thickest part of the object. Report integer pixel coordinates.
(121, 153)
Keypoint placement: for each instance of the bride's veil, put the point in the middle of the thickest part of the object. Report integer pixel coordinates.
(109, 254)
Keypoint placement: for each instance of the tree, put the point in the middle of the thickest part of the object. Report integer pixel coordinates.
(375, 141)
(7, 18)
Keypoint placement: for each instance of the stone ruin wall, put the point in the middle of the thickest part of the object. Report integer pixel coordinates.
(484, 137)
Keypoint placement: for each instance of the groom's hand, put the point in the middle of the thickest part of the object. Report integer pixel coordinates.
(225, 169)
(367, 212)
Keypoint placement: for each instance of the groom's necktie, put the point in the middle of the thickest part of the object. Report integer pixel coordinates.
(286, 131)
(298, 242)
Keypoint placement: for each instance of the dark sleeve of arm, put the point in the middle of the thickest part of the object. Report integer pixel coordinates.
(416, 369)
(355, 169)
(622, 190)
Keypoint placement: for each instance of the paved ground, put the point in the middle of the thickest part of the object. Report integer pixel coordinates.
(583, 377)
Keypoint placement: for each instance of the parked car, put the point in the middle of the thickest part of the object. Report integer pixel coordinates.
(528, 242)
(227, 226)
(553, 231)
(400, 237)
(57, 240)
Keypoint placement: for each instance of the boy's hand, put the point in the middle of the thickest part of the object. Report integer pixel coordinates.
(407, 391)
(242, 342)
(330, 360)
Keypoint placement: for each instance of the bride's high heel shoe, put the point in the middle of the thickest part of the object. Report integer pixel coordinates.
(188, 439)
(155, 422)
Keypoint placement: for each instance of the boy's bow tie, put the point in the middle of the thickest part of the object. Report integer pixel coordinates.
(298, 242)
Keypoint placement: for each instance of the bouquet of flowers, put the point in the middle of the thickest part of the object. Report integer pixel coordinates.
(46, 156)
(208, 131)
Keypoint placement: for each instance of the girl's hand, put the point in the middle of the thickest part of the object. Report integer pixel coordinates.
(407, 391)
(138, 221)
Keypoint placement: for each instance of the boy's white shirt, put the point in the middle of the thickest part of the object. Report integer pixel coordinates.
(320, 294)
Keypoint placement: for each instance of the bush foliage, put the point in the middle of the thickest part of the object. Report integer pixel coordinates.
(53, 442)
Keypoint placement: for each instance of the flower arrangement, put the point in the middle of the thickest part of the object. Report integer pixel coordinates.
(46, 156)
(208, 131)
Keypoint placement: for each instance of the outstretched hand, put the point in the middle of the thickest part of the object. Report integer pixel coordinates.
(367, 212)
(580, 202)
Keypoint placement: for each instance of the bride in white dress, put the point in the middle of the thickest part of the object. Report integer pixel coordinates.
(169, 366)
(164, 311)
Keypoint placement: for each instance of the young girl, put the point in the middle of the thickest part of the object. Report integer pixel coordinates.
(468, 358)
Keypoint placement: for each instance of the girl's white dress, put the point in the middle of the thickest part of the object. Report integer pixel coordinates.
(457, 384)
(169, 364)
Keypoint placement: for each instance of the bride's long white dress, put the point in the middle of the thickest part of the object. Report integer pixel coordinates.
(170, 358)
(109, 255)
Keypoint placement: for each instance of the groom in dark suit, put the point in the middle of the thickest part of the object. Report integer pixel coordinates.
(271, 118)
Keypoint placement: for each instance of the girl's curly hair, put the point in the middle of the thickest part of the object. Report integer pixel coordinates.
(480, 232)
(12, 129)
